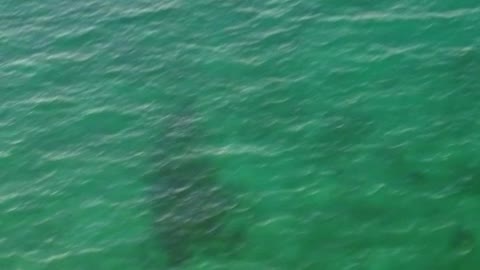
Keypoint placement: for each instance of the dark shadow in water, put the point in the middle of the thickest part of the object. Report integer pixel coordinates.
(189, 203)
(462, 240)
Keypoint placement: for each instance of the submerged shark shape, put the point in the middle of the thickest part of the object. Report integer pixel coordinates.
(189, 204)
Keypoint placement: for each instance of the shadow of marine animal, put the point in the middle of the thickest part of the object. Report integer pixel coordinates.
(189, 202)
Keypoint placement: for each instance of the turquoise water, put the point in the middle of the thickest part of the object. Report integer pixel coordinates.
(239, 135)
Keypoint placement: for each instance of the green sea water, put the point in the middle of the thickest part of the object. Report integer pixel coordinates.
(239, 135)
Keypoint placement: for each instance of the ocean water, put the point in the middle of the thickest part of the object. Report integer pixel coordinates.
(279, 134)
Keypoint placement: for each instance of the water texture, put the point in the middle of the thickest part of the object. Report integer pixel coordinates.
(239, 135)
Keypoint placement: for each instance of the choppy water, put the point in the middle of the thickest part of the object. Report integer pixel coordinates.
(283, 134)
